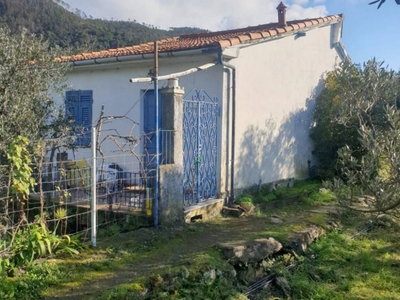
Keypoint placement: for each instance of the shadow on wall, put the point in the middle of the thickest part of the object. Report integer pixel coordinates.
(280, 149)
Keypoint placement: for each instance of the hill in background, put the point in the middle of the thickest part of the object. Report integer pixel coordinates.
(57, 24)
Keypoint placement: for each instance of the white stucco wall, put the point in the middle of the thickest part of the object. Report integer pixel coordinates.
(276, 86)
(111, 87)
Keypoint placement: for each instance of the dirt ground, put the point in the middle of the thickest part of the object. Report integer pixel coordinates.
(156, 250)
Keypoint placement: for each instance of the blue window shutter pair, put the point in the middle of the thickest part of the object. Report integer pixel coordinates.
(78, 105)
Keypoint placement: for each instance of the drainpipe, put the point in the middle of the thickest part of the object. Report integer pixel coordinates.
(228, 130)
(156, 183)
(232, 68)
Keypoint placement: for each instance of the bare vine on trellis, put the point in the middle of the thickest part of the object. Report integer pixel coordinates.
(127, 143)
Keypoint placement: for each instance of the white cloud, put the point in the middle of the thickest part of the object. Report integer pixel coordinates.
(300, 2)
(296, 12)
(207, 14)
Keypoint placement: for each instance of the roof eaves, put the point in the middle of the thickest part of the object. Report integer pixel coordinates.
(292, 28)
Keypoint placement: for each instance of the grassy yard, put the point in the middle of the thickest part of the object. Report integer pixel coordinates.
(339, 267)
(173, 263)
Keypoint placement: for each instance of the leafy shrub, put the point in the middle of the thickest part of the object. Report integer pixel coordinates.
(309, 192)
(354, 97)
(322, 196)
(30, 284)
(245, 199)
(35, 241)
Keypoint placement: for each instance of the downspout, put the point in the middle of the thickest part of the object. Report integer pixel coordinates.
(233, 70)
(228, 130)
(156, 183)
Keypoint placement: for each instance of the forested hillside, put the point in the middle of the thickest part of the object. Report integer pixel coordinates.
(75, 29)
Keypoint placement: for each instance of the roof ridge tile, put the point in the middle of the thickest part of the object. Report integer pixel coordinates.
(210, 40)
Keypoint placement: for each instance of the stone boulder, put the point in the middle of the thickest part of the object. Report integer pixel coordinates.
(299, 241)
(244, 253)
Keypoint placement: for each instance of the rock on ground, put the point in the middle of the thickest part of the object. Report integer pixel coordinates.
(244, 253)
(300, 240)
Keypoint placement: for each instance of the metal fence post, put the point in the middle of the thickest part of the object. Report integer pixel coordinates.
(93, 200)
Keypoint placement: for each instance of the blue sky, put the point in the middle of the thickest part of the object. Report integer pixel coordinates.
(367, 32)
(370, 32)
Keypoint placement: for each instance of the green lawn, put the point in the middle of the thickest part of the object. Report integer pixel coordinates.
(341, 265)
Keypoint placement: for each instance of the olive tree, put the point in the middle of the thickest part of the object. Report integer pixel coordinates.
(372, 183)
(357, 119)
(30, 75)
(354, 97)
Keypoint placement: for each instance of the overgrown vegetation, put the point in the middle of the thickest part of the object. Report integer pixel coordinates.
(342, 267)
(354, 98)
(68, 29)
(356, 136)
(31, 127)
(178, 263)
(310, 192)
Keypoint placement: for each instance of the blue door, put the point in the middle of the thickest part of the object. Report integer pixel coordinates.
(149, 138)
(200, 146)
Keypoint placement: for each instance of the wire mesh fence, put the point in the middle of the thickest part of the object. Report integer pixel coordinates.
(80, 196)
(65, 190)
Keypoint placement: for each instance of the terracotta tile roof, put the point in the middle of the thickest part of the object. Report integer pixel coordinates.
(209, 40)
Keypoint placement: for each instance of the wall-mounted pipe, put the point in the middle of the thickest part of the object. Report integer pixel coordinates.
(228, 130)
(233, 70)
(156, 183)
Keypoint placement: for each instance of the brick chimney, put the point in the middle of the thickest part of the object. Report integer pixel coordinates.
(281, 14)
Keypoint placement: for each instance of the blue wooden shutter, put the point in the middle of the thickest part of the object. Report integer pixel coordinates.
(72, 106)
(85, 117)
(78, 106)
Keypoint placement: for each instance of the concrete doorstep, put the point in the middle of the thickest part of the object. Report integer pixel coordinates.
(204, 210)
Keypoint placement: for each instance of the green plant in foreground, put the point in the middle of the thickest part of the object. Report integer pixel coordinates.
(35, 241)
(30, 284)
(21, 181)
(29, 244)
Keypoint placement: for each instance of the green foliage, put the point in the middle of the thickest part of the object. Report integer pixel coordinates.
(354, 96)
(21, 172)
(309, 192)
(374, 178)
(28, 77)
(339, 267)
(30, 284)
(35, 241)
(66, 29)
(245, 199)
(28, 244)
(322, 196)
(364, 102)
